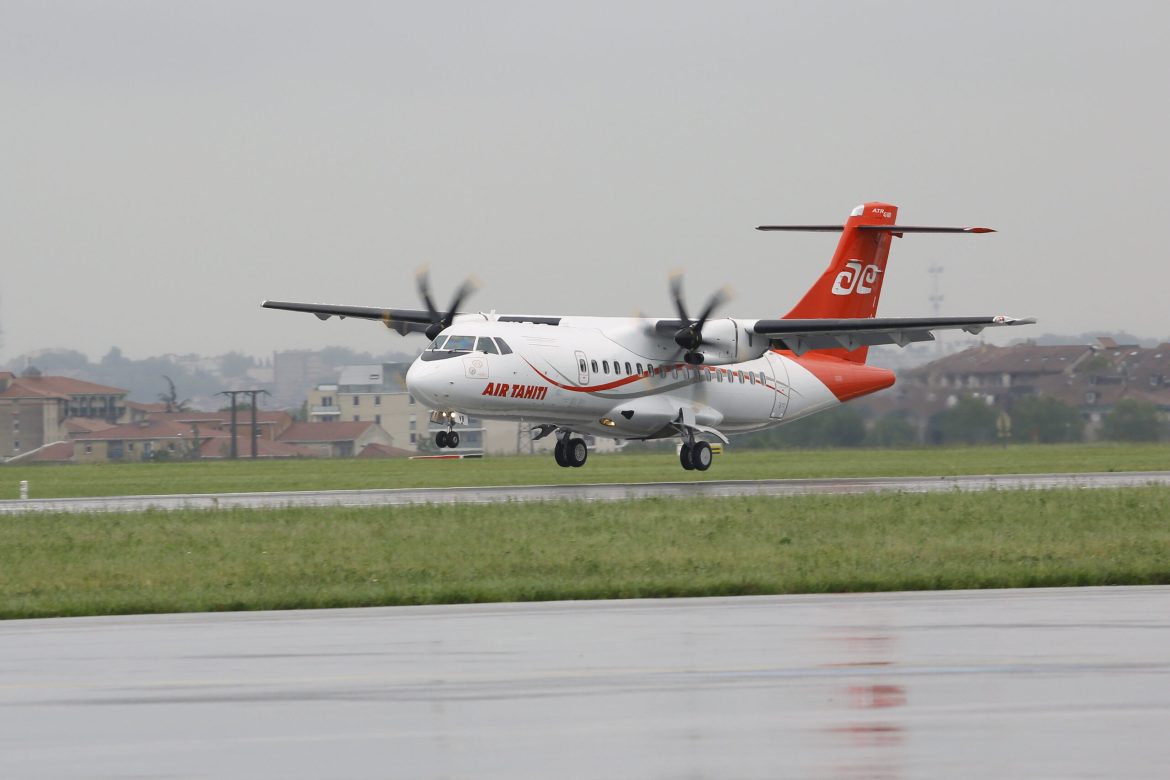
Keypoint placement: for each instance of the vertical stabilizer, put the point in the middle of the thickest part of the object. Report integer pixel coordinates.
(851, 285)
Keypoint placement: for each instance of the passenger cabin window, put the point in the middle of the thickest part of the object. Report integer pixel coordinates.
(629, 370)
(486, 346)
(460, 344)
(504, 348)
(639, 368)
(581, 365)
(593, 364)
(605, 366)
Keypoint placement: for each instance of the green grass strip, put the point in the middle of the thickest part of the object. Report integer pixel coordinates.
(118, 479)
(308, 558)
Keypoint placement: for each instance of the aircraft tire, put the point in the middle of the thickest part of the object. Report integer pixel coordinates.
(701, 456)
(559, 454)
(441, 439)
(684, 457)
(452, 439)
(576, 452)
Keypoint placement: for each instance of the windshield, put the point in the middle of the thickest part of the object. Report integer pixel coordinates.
(460, 343)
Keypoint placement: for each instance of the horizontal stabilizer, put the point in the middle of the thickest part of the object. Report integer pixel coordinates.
(896, 229)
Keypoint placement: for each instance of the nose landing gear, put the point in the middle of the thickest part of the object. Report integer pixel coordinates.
(450, 437)
(447, 439)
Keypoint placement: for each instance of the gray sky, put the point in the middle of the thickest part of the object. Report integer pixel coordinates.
(167, 166)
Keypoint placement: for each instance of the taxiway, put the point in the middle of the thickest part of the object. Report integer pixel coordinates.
(1025, 683)
(591, 492)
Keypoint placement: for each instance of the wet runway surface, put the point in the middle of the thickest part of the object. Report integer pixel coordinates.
(595, 492)
(1027, 683)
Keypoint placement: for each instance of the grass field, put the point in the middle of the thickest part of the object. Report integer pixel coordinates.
(56, 481)
(291, 558)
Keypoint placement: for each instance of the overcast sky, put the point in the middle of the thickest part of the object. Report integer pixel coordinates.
(164, 167)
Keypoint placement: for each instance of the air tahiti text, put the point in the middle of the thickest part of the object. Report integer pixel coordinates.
(505, 390)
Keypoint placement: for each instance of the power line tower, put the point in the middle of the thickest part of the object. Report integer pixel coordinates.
(235, 451)
(936, 299)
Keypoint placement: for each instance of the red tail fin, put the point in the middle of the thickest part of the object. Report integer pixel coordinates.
(850, 286)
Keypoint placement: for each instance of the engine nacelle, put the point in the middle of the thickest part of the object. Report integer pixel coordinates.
(731, 341)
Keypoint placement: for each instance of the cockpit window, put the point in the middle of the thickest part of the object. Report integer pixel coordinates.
(437, 343)
(460, 344)
(504, 348)
(486, 346)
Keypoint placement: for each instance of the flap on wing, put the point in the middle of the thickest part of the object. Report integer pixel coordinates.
(802, 336)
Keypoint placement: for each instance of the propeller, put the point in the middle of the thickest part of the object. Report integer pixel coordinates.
(442, 320)
(690, 335)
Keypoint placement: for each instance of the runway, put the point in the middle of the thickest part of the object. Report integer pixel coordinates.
(591, 492)
(1026, 683)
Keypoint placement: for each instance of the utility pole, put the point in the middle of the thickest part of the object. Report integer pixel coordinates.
(235, 451)
(936, 299)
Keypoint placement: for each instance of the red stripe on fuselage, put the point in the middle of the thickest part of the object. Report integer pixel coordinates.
(661, 373)
(589, 389)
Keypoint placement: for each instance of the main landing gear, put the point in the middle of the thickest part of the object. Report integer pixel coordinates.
(570, 451)
(447, 439)
(695, 456)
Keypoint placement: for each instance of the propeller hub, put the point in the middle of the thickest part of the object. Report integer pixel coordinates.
(688, 338)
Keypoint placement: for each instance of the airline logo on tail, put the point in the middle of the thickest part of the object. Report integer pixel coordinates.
(855, 280)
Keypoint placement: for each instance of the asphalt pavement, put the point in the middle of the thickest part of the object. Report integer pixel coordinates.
(593, 492)
(1052, 683)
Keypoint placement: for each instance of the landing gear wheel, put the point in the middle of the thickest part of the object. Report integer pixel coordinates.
(684, 457)
(559, 454)
(441, 439)
(576, 452)
(452, 440)
(701, 456)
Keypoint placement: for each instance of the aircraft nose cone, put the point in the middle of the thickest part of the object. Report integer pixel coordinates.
(425, 383)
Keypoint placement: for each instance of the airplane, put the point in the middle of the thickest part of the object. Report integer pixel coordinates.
(637, 378)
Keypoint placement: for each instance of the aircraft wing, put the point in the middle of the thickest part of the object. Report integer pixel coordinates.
(801, 336)
(401, 320)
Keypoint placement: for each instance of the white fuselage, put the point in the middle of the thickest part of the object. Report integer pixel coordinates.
(612, 377)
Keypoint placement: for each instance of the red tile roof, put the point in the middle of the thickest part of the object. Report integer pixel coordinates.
(154, 429)
(220, 447)
(55, 387)
(383, 451)
(325, 431)
(1021, 359)
(81, 425)
(224, 416)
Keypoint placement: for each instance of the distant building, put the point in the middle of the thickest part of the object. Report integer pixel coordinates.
(336, 439)
(34, 408)
(377, 393)
(1089, 378)
(372, 393)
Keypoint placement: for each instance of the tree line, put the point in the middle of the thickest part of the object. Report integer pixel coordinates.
(1033, 419)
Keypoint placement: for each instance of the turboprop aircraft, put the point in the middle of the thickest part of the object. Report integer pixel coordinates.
(698, 378)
